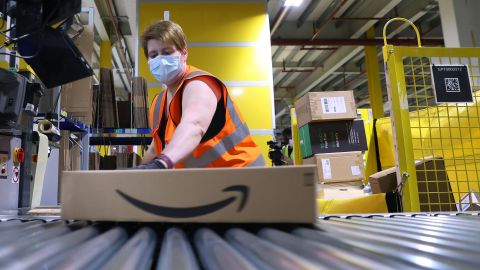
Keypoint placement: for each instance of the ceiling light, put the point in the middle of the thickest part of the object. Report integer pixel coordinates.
(292, 3)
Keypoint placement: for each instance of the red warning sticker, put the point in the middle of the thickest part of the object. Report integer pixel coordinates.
(16, 175)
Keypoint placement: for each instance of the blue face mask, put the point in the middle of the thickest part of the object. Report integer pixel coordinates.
(166, 68)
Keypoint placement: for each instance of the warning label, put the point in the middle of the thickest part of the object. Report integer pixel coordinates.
(15, 175)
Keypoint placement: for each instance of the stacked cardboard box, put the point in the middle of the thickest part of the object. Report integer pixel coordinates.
(330, 135)
(338, 167)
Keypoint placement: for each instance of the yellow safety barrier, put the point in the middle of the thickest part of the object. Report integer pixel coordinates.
(361, 205)
(423, 129)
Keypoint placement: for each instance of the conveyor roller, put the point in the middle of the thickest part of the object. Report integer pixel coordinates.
(421, 241)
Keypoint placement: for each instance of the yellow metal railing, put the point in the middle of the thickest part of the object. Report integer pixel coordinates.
(437, 146)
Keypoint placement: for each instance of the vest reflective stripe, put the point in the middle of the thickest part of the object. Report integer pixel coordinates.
(219, 149)
(237, 122)
(156, 111)
(259, 162)
(234, 136)
(225, 144)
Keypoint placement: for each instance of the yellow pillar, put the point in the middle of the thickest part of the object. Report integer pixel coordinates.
(373, 75)
(376, 102)
(3, 63)
(105, 54)
(297, 156)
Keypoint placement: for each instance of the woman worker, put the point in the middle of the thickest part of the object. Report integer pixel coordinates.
(195, 123)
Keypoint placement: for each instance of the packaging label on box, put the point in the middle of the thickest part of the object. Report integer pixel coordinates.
(356, 170)
(333, 105)
(326, 168)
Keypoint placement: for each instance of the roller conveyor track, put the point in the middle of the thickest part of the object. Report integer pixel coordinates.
(422, 241)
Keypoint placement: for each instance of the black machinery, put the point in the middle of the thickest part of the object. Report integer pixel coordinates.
(35, 31)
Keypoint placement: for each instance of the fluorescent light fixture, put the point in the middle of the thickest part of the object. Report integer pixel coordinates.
(292, 3)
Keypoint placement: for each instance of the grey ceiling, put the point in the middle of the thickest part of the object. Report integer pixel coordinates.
(333, 65)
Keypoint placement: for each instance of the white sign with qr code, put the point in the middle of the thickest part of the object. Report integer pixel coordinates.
(326, 168)
(333, 105)
(452, 85)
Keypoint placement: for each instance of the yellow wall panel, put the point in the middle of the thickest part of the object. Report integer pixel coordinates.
(207, 22)
(208, 26)
(261, 141)
(243, 63)
(227, 63)
(254, 114)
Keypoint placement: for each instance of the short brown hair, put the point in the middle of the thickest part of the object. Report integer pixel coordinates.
(164, 31)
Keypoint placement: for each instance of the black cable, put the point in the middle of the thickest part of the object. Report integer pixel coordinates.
(8, 29)
(22, 37)
(21, 56)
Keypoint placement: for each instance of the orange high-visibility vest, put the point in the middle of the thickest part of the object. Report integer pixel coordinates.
(232, 146)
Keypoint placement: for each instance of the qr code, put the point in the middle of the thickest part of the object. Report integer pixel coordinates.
(452, 85)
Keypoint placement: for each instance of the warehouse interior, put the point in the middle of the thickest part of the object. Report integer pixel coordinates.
(345, 134)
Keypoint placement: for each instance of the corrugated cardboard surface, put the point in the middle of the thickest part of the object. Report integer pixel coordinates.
(383, 181)
(325, 106)
(76, 97)
(281, 194)
(434, 186)
(338, 167)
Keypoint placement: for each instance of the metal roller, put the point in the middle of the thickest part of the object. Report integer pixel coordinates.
(97, 251)
(215, 253)
(136, 253)
(390, 241)
(267, 255)
(176, 252)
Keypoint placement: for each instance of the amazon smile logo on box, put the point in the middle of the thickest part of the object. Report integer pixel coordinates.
(220, 195)
(193, 211)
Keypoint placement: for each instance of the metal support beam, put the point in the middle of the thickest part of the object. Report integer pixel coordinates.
(279, 19)
(354, 42)
(306, 13)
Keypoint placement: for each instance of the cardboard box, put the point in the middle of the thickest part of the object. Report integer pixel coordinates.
(332, 137)
(344, 190)
(338, 167)
(435, 193)
(76, 97)
(340, 190)
(383, 181)
(434, 186)
(325, 106)
(233, 195)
